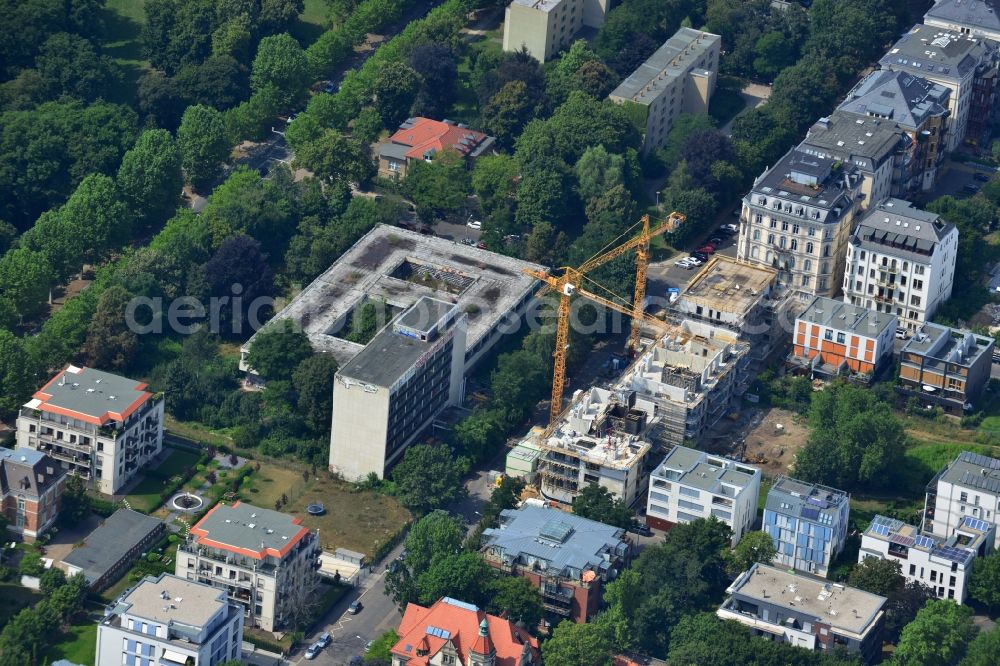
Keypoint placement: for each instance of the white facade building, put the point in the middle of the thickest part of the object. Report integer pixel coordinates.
(968, 486)
(101, 427)
(691, 484)
(901, 260)
(169, 621)
(545, 27)
(943, 565)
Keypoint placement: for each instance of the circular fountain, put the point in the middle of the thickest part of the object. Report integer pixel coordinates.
(187, 502)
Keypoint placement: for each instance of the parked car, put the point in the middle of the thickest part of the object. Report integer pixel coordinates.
(468, 241)
(700, 256)
(312, 651)
(695, 260)
(716, 241)
(481, 245)
(901, 333)
(355, 607)
(474, 224)
(708, 248)
(324, 639)
(641, 530)
(970, 188)
(982, 177)
(732, 227)
(330, 87)
(684, 263)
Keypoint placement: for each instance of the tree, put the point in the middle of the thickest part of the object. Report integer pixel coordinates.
(432, 538)
(220, 82)
(281, 63)
(278, 350)
(938, 636)
(774, 53)
(577, 645)
(239, 268)
(753, 547)
(51, 580)
(984, 586)
(69, 65)
(462, 576)
(984, 650)
(31, 564)
(336, 157)
(437, 187)
(429, 477)
(597, 503)
(313, 380)
(16, 374)
(902, 606)
(494, 180)
(97, 208)
(395, 87)
(878, 576)
(25, 279)
(518, 597)
(381, 647)
(202, 140)
(508, 111)
(598, 171)
(435, 65)
(111, 343)
(150, 177)
(854, 439)
(161, 99)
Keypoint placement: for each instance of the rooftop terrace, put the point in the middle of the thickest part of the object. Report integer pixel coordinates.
(845, 317)
(959, 547)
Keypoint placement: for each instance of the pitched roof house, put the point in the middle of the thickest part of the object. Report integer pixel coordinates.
(421, 138)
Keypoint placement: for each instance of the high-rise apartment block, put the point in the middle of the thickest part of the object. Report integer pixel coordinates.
(678, 78)
(170, 621)
(901, 261)
(808, 523)
(99, 426)
(265, 561)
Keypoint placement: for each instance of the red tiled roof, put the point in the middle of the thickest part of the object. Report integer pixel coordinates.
(424, 628)
(427, 134)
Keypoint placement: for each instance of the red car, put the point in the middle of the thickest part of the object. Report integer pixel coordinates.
(707, 249)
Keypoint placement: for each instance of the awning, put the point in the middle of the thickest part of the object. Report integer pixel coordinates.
(175, 657)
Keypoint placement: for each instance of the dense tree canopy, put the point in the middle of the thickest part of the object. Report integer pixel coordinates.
(278, 350)
(597, 503)
(938, 636)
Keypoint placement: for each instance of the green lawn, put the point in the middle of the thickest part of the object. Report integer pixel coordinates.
(123, 21)
(196, 432)
(78, 644)
(13, 598)
(312, 22)
(146, 495)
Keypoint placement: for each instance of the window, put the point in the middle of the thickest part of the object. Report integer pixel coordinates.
(756, 234)
(795, 228)
(828, 334)
(795, 245)
(913, 569)
(840, 337)
(689, 492)
(809, 248)
(770, 239)
(917, 284)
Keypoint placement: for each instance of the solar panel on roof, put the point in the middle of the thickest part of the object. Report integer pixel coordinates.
(902, 540)
(879, 529)
(811, 514)
(953, 554)
(976, 523)
(925, 542)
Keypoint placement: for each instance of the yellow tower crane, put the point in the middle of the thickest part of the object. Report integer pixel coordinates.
(570, 282)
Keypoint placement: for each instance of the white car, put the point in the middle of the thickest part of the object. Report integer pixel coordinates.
(683, 263)
(695, 261)
(312, 651)
(474, 224)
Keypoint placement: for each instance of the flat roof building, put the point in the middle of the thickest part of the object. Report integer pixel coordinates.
(798, 219)
(806, 612)
(833, 338)
(384, 397)
(968, 486)
(266, 561)
(109, 551)
(940, 564)
(690, 484)
(170, 621)
(901, 260)
(568, 557)
(99, 426)
(683, 70)
(945, 367)
(808, 523)
(545, 27)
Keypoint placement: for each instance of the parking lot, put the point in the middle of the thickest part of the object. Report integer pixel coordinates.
(666, 274)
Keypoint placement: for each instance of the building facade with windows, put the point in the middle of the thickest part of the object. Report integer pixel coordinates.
(389, 393)
(943, 565)
(951, 59)
(808, 523)
(917, 107)
(545, 27)
(945, 367)
(901, 261)
(678, 78)
(834, 339)
(31, 488)
(99, 426)
(969, 486)
(264, 560)
(806, 612)
(567, 558)
(798, 218)
(170, 621)
(691, 484)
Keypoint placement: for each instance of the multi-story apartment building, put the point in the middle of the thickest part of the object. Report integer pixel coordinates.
(601, 440)
(806, 612)
(453, 632)
(691, 484)
(834, 339)
(691, 383)
(878, 149)
(420, 139)
(734, 299)
(951, 59)
(968, 486)
(943, 565)
(31, 487)
(99, 426)
(389, 393)
(945, 367)
(266, 561)
(568, 558)
(808, 523)
(901, 260)
(170, 621)
(917, 107)
(968, 17)
(798, 218)
(545, 27)
(678, 78)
